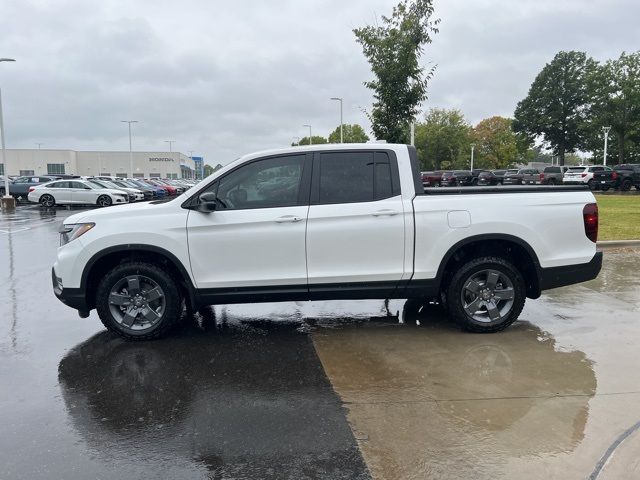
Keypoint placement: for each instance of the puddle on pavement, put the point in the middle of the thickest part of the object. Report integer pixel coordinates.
(433, 402)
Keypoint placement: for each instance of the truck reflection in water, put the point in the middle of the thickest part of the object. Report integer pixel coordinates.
(247, 400)
(432, 400)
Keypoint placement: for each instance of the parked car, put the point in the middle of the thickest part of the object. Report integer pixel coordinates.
(138, 265)
(134, 195)
(19, 188)
(605, 179)
(457, 178)
(475, 173)
(513, 177)
(171, 189)
(68, 192)
(488, 178)
(628, 176)
(530, 176)
(148, 192)
(431, 179)
(552, 175)
(499, 174)
(582, 175)
(157, 191)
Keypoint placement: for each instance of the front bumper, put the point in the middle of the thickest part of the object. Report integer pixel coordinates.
(72, 297)
(570, 274)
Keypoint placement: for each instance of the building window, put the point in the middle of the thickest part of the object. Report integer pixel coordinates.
(1, 168)
(121, 175)
(105, 174)
(55, 168)
(173, 176)
(154, 175)
(26, 173)
(138, 175)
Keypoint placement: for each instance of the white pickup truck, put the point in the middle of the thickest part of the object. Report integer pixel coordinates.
(322, 223)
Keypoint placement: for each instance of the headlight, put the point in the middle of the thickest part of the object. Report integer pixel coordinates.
(73, 231)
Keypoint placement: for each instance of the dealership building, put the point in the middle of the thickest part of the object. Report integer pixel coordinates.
(116, 164)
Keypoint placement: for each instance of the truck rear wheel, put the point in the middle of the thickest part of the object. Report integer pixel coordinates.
(138, 301)
(486, 295)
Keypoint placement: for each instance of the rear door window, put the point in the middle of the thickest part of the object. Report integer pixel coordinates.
(354, 177)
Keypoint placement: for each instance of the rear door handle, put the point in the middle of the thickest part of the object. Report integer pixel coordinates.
(381, 213)
(288, 219)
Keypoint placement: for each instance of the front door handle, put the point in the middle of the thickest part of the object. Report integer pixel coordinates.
(288, 219)
(387, 212)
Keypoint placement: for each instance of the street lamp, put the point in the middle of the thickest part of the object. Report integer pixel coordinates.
(339, 100)
(309, 126)
(473, 146)
(6, 202)
(130, 149)
(170, 142)
(606, 138)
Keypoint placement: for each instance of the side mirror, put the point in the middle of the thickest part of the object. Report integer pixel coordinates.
(207, 202)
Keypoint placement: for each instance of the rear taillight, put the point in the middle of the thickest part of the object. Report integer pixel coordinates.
(590, 218)
(541, 176)
(614, 176)
(31, 189)
(583, 175)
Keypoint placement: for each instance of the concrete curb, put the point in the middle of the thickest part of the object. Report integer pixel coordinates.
(619, 244)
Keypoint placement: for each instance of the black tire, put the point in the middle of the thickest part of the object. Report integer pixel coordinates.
(605, 188)
(625, 186)
(47, 200)
(592, 184)
(551, 181)
(508, 311)
(146, 273)
(474, 182)
(104, 201)
(638, 187)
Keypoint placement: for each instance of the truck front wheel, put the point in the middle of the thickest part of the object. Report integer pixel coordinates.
(486, 295)
(138, 301)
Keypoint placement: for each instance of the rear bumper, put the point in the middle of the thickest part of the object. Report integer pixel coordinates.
(570, 274)
(72, 297)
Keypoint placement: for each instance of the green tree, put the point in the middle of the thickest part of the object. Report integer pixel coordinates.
(554, 110)
(393, 49)
(315, 140)
(496, 143)
(208, 169)
(350, 134)
(615, 103)
(443, 140)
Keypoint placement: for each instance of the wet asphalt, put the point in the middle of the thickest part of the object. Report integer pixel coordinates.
(316, 390)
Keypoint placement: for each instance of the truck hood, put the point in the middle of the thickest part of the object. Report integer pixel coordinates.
(130, 209)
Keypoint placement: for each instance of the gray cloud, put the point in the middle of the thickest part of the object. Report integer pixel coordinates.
(224, 79)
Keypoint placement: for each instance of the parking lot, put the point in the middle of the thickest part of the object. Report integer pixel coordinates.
(316, 390)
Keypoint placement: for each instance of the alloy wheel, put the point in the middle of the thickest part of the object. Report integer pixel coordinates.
(137, 302)
(487, 296)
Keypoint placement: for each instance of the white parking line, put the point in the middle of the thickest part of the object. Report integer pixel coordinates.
(16, 230)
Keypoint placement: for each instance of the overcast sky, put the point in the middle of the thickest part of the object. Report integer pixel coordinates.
(227, 78)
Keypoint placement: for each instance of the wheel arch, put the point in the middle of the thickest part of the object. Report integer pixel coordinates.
(510, 247)
(105, 259)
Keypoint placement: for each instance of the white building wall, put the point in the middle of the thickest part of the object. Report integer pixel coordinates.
(145, 164)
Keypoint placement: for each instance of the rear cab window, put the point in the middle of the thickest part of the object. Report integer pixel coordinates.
(354, 177)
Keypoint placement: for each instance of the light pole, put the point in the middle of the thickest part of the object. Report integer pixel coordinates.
(473, 146)
(339, 99)
(606, 139)
(310, 141)
(170, 142)
(7, 201)
(130, 148)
